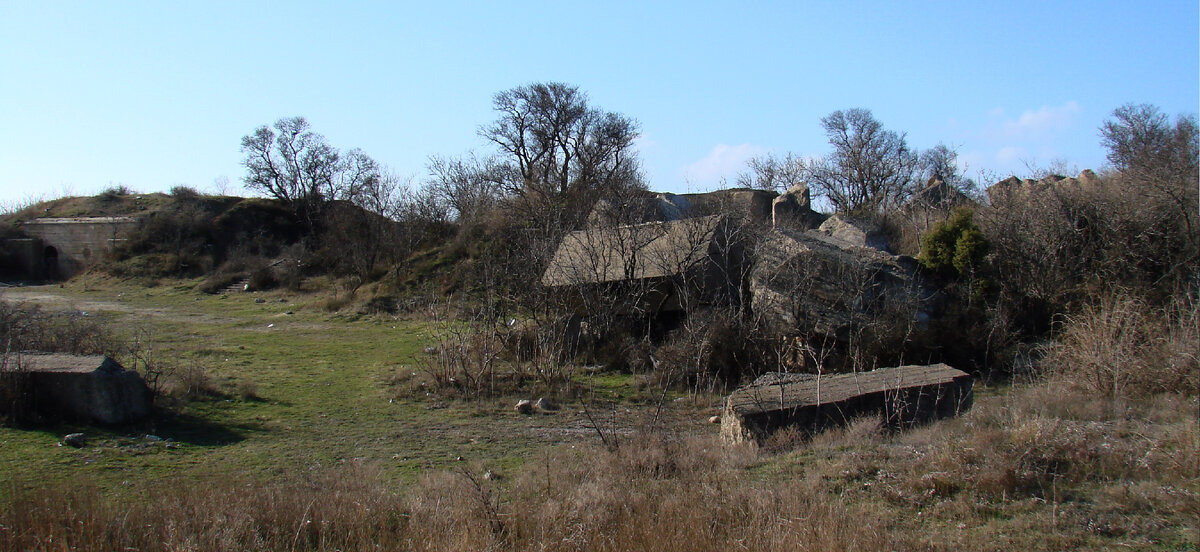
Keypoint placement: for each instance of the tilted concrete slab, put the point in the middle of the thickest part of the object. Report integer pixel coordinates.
(900, 396)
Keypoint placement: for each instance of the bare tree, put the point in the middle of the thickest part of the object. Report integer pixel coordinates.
(1141, 138)
(298, 167)
(559, 152)
(871, 169)
(1159, 160)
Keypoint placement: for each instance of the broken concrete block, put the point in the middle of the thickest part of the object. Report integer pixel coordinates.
(900, 396)
(92, 388)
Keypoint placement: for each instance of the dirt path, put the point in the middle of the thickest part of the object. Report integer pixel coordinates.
(47, 297)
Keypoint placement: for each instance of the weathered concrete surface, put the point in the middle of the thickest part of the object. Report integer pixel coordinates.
(68, 245)
(655, 262)
(754, 205)
(91, 388)
(855, 232)
(811, 282)
(1015, 189)
(901, 396)
(793, 210)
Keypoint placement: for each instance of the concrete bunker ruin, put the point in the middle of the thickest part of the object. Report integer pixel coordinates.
(59, 248)
(86, 388)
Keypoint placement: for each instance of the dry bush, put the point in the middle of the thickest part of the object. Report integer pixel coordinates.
(709, 352)
(190, 382)
(466, 353)
(26, 327)
(1057, 245)
(1050, 444)
(1124, 348)
(350, 510)
(16, 397)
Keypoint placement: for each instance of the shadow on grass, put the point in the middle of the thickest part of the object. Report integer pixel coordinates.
(180, 427)
(196, 430)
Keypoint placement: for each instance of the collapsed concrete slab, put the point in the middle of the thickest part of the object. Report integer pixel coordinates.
(900, 396)
(91, 388)
(814, 283)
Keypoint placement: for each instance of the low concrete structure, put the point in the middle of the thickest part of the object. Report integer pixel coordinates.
(59, 248)
(90, 388)
(901, 396)
(662, 258)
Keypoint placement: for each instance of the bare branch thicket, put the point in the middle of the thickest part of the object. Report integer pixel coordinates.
(467, 185)
(466, 351)
(769, 172)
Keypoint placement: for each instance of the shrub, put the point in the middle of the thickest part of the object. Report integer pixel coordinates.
(263, 278)
(1124, 348)
(114, 192)
(955, 247)
(29, 328)
(182, 192)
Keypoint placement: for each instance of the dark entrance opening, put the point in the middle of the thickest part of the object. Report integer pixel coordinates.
(50, 261)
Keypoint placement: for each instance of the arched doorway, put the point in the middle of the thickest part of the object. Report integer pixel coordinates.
(50, 262)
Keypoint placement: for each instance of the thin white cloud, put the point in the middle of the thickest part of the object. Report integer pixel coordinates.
(723, 161)
(1032, 124)
(1011, 154)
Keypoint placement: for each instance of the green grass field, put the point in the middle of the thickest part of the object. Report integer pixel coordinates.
(324, 389)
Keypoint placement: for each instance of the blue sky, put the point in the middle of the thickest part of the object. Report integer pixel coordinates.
(156, 94)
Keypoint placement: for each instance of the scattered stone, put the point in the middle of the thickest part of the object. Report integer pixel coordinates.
(544, 405)
(714, 419)
(524, 406)
(431, 350)
(75, 439)
(259, 300)
(491, 476)
(153, 438)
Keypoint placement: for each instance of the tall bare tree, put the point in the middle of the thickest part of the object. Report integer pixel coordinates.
(560, 153)
(466, 184)
(297, 166)
(871, 169)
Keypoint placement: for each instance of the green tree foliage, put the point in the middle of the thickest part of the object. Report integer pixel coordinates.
(955, 247)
